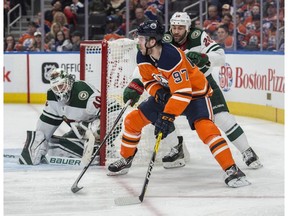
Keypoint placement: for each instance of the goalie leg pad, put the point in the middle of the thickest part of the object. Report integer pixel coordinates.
(35, 148)
(60, 146)
(88, 147)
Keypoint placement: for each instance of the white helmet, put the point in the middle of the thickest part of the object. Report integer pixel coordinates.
(61, 84)
(181, 18)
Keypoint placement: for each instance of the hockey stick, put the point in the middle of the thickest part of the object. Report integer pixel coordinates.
(75, 187)
(121, 201)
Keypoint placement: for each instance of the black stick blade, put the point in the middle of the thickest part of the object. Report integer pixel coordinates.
(75, 188)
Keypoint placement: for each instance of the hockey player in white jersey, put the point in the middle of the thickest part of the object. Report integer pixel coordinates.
(78, 104)
(206, 54)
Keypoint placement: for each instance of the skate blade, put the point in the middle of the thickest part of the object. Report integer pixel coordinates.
(255, 165)
(121, 172)
(239, 182)
(175, 164)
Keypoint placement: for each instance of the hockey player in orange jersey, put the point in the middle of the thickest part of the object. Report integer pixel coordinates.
(177, 87)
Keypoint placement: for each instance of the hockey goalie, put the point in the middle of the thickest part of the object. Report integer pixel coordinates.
(76, 103)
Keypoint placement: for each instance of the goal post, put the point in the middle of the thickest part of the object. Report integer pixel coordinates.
(109, 66)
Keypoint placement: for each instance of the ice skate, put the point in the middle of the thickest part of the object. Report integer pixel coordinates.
(235, 177)
(175, 158)
(121, 166)
(251, 159)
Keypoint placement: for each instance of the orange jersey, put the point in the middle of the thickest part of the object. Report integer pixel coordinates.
(185, 81)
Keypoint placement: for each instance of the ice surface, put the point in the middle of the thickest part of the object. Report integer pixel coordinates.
(198, 189)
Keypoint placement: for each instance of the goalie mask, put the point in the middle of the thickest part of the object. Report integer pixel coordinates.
(61, 84)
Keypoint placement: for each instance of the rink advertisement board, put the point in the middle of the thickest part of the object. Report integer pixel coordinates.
(253, 85)
(15, 78)
(252, 80)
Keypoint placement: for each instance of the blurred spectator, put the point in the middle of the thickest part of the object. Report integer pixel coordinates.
(26, 39)
(60, 17)
(271, 12)
(49, 14)
(71, 12)
(155, 10)
(77, 7)
(51, 36)
(197, 24)
(76, 38)
(140, 17)
(210, 25)
(47, 24)
(271, 35)
(240, 32)
(143, 3)
(61, 44)
(238, 6)
(115, 7)
(64, 3)
(113, 25)
(226, 9)
(97, 6)
(227, 20)
(9, 44)
(253, 34)
(255, 11)
(224, 39)
(36, 44)
(246, 9)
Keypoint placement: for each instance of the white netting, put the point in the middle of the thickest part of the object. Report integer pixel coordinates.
(121, 62)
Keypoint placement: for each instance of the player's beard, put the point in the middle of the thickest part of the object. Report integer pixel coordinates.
(179, 38)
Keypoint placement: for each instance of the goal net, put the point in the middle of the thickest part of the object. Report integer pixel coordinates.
(109, 66)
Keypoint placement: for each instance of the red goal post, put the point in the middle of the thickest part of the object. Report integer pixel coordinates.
(109, 66)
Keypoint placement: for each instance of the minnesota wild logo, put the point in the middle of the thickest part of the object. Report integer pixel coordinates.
(83, 95)
(195, 34)
(167, 38)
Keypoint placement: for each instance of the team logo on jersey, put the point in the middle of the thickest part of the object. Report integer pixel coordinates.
(83, 95)
(195, 34)
(163, 81)
(167, 38)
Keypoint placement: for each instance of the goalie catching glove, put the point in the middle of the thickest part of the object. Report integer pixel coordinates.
(164, 124)
(133, 91)
(199, 59)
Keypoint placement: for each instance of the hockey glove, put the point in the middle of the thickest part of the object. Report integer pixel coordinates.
(162, 96)
(164, 124)
(133, 91)
(199, 59)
